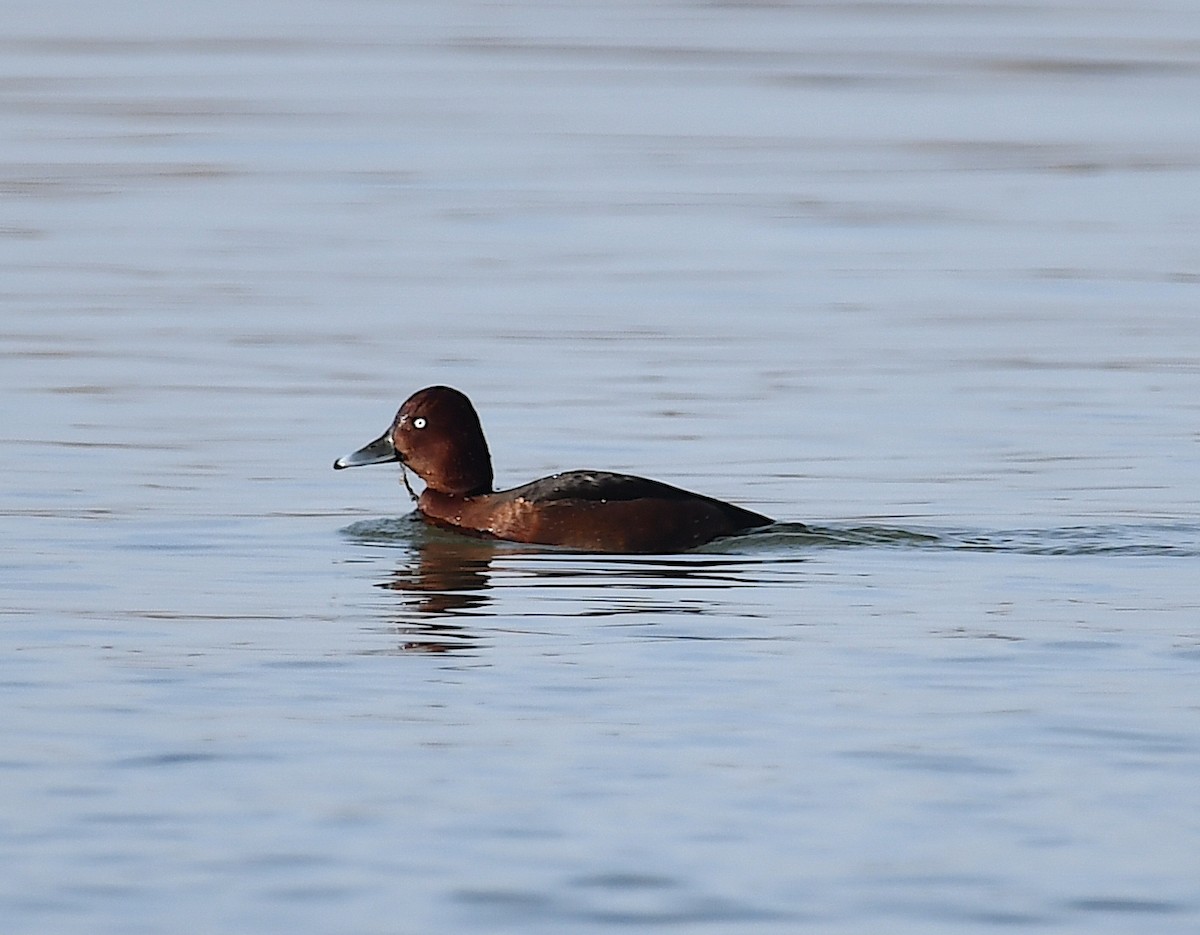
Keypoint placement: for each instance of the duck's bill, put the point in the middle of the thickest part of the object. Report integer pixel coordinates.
(380, 451)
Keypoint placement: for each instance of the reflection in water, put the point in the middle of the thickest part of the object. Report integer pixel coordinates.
(448, 579)
(445, 582)
(446, 576)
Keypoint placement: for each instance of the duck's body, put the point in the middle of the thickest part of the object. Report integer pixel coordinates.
(437, 433)
(592, 510)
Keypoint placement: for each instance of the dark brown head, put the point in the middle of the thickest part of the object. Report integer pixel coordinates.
(437, 434)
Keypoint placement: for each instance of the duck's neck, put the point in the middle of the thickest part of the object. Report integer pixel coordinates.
(464, 473)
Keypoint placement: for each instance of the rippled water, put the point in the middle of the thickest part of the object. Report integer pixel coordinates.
(918, 280)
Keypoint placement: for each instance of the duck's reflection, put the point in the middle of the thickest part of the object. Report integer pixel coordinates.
(446, 585)
(448, 578)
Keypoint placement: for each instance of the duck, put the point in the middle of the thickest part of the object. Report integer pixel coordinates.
(437, 435)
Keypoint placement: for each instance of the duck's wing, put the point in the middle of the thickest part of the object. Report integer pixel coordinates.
(606, 486)
(597, 485)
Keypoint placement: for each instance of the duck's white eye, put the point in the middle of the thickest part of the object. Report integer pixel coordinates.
(419, 422)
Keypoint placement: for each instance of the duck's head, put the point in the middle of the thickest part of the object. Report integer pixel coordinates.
(437, 434)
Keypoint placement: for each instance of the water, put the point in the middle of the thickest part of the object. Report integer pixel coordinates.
(919, 280)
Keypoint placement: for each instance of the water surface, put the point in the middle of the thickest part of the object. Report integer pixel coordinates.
(918, 280)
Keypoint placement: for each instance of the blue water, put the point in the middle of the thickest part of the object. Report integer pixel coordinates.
(918, 280)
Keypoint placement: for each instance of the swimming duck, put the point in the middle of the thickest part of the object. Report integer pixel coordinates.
(438, 435)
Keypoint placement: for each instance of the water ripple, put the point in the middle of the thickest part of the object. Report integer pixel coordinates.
(1176, 539)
